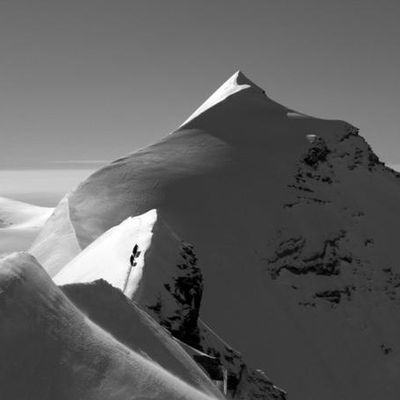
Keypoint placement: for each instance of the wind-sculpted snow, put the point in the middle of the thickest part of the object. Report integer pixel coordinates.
(59, 232)
(51, 350)
(126, 322)
(295, 222)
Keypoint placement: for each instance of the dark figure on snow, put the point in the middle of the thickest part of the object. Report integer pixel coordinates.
(135, 253)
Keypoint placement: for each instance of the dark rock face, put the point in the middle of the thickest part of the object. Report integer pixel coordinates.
(325, 261)
(186, 289)
(254, 384)
(317, 153)
(178, 313)
(243, 382)
(335, 296)
(328, 165)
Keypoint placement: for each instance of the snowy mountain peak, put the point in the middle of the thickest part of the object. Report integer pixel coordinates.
(294, 221)
(242, 79)
(236, 83)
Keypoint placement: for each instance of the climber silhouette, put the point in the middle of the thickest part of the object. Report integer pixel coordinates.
(135, 253)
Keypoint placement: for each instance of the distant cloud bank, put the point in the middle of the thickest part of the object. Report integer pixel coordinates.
(41, 186)
(51, 164)
(79, 162)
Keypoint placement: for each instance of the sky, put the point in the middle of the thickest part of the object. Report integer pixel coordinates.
(86, 81)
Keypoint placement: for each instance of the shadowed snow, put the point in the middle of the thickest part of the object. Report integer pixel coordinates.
(297, 238)
(50, 350)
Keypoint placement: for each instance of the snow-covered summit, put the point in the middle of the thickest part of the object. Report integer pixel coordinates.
(294, 220)
(236, 83)
(238, 95)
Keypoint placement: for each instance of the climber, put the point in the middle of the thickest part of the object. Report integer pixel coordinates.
(135, 253)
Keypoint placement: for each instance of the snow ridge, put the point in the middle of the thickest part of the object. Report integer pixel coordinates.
(236, 83)
(51, 350)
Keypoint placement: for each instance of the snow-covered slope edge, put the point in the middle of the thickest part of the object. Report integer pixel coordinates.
(167, 282)
(58, 232)
(129, 324)
(50, 350)
(234, 84)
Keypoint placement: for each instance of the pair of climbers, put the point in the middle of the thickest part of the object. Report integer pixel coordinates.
(135, 254)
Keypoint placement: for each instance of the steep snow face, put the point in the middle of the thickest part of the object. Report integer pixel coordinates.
(50, 350)
(20, 223)
(129, 324)
(163, 277)
(108, 257)
(159, 252)
(297, 238)
(59, 233)
(234, 84)
(167, 282)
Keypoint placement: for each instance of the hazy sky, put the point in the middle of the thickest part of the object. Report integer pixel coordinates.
(94, 79)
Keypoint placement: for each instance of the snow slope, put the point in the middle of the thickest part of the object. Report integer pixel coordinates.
(108, 258)
(20, 223)
(234, 84)
(58, 233)
(127, 322)
(167, 282)
(297, 238)
(51, 350)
